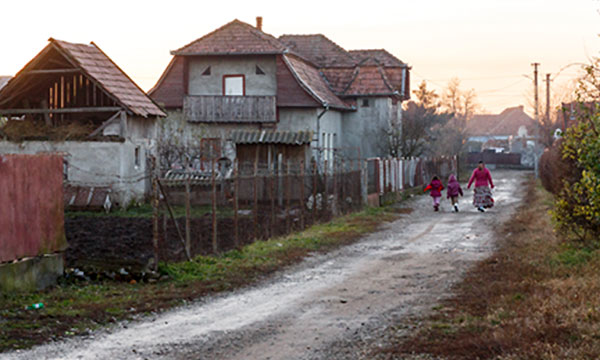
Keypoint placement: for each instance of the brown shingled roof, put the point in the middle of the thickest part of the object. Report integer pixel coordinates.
(234, 38)
(376, 57)
(313, 82)
(100, 67)
(319, 50)
(506, 123)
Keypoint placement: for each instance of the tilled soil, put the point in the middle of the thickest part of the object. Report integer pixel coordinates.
(334, 306)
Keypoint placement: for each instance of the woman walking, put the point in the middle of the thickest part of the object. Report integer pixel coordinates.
(482, 194)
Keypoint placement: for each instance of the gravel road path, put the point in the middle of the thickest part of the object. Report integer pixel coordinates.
(330, 306)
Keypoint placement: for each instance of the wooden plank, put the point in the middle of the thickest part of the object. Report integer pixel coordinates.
(104, 125)
(60, 111)
(50, 71)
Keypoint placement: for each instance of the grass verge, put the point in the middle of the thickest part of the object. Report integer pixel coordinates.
(535, 298)
(75, 309)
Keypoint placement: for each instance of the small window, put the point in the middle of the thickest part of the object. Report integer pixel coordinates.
(259, 71)
(137, 156)
(234, 85)
(206, 71)
(365, 102)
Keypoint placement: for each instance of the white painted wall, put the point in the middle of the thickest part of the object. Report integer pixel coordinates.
(256, 85)
(366, 127)
(95, 163)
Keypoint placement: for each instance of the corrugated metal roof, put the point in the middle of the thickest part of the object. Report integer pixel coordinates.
(272, 137)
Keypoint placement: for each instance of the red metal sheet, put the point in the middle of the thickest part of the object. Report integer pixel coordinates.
(31, 206)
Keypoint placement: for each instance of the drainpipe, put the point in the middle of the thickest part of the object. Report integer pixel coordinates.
(319, 151)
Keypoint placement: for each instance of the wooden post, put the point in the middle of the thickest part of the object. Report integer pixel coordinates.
(336, 193)
(344, 178)
(314, 191)
(162, 190)
(188, 215)
(302, 194)
(324, 197)
(287, 198)
(215, 245)
(155, 214)
(236, 190)
(255, 215)
(272, 198)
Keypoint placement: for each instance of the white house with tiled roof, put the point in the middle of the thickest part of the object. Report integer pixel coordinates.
(241, 78)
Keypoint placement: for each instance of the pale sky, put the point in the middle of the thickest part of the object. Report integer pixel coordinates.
(488, 44)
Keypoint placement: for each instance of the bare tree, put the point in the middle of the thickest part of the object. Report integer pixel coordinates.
(179, 144)
(462, 105)
(411, 137)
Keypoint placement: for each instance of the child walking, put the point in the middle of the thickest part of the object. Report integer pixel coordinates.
(436, 188)
(453, 191)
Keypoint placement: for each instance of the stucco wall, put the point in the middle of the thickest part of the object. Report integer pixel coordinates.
(94, 163)
(256, 85)
(366, 127)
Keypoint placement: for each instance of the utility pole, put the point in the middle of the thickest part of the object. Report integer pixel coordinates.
(535, 89)
(547, 99)
(537, 116)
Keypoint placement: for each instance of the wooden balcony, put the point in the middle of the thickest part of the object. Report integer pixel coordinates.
(230, 109)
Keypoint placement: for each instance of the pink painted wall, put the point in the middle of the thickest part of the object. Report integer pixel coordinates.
(31, 206)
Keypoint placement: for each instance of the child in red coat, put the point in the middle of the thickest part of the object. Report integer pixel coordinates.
(436, 188)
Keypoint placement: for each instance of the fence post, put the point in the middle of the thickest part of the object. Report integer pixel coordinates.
(302, 195)
(255, 215)
(155, 214)
(287, 198)
(272, 198)
(336, 193)
(314, 191)
(215, 246)
(188, 205)
(236, 189)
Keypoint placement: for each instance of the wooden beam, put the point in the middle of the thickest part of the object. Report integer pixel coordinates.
(60, 111)
(50, 71)
(104, 125)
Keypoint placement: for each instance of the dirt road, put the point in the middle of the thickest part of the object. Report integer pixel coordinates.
(328, 307)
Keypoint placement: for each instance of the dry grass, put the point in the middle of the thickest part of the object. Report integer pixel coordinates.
(535, 298)
(21, 130)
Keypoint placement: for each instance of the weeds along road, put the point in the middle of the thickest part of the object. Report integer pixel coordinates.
(332, 306)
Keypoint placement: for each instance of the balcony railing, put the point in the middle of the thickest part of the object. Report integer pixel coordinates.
(230, 109)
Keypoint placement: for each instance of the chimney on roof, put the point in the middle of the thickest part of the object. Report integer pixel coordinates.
(259, 23)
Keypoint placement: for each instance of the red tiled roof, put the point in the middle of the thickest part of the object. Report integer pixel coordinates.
(370, 80)
(339, 78)
(313, 82)
(506, 123)
(233, 38)
(376, 57)
(100, 67)
(319, 50)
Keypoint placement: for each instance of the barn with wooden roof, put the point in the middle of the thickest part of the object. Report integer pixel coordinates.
(72, 98)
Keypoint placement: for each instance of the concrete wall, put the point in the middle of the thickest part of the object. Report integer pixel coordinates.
(366, 127)
(31, 274)
(264, 85)
(95, 163)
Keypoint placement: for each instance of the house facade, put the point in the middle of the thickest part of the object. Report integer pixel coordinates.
(241, 78)
(73, 99)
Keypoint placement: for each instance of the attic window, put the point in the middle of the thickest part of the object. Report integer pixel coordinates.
(365, 102)
(206, 71)
(259, 71)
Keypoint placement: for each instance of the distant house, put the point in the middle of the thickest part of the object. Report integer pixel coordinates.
(73, 99)
(499, 130)
(239, 78)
